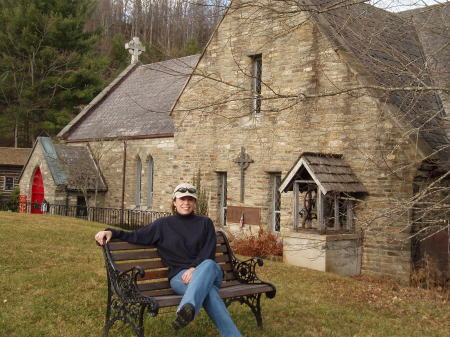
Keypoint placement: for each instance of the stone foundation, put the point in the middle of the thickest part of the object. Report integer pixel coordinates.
(336, 253)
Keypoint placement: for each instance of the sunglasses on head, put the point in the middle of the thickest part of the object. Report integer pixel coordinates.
(185, 189)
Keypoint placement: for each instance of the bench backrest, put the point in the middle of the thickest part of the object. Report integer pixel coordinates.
(155, 281)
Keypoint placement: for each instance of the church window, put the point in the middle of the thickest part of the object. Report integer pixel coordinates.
(138, 182)
(275, 201)
(9, 184)
(222, 194)
(150, 165)
(256, 83)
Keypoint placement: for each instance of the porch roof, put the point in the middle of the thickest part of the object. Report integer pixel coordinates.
(329, 171)
(72, 166)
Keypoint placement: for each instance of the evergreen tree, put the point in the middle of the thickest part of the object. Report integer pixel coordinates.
(47, 65)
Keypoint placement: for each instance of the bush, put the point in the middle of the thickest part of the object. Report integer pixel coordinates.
(263, 244)
(201, 207)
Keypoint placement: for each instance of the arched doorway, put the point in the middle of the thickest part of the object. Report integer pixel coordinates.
(37, 192)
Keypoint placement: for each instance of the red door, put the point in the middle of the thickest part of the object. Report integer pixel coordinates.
(37, 192)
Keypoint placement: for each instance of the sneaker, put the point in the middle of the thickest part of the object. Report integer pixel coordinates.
(184, 316)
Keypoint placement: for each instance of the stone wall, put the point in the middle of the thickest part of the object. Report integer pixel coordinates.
(110, 157)
(213, 119)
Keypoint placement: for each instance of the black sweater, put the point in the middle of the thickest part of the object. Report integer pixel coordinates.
(182, 241)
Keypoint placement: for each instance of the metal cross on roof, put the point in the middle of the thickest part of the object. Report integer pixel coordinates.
(243, 161)
(135, 48)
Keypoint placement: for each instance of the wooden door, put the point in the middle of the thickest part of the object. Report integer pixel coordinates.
(37, 192)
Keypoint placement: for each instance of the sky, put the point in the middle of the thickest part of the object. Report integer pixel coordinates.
(403, 5)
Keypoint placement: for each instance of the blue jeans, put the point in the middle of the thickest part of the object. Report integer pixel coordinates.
(203, 290)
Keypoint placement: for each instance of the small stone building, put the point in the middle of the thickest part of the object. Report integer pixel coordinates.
(11, 164)
(59, 174)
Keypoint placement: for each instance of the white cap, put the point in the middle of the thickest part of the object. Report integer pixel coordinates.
(184, 190)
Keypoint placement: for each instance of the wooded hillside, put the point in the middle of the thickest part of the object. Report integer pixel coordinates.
(56, 55)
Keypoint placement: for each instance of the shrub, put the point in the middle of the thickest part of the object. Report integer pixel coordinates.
(263, 244)
(428, 275)
(201, 207)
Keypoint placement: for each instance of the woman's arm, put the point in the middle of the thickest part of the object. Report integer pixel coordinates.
(148, 235)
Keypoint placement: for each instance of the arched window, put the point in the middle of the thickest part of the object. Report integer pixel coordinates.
(138, 182)
(150, 166)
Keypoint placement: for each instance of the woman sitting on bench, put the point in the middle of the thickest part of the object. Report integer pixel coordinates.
(187, 244)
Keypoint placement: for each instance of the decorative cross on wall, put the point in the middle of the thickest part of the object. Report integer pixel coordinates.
(243, 161)
(135, 48)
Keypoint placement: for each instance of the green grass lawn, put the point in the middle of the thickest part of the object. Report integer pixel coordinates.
(52, 284)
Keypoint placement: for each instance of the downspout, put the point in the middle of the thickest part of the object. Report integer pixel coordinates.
(124, 168)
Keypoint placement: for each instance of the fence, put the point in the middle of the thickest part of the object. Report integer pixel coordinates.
(126, 218)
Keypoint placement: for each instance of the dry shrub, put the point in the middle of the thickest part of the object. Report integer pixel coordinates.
(428, 275)
(263, 244)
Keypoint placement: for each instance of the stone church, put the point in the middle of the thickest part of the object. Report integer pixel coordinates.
(312, 120)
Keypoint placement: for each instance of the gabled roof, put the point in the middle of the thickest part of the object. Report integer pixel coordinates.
(80, 168)
(329, 171)
(10, 156)
(432, 24)
(386, 52)
(71, 166)
(136, 104)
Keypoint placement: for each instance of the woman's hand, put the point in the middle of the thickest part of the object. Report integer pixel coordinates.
(187, 276)
(103, 237)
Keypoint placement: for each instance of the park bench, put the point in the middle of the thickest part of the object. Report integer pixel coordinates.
(138, 283)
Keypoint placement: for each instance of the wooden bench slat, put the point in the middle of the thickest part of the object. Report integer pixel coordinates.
(244, 289)
(155, 264)
(159, 292)
(226, 266)
(222, 258)
(148, 286)
(222, 249)
(135, 255)
(230, 283)
(229, 276)
(154, 274)
(122, 245)
(117, 244)
(228, 292)
(220, 239)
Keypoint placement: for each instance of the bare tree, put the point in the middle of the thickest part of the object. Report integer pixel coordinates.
(399, 61)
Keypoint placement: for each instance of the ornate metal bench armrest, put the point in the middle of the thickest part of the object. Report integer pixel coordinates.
(245, 271)
(124, 284)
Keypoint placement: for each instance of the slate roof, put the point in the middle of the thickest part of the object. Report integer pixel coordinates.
(80, 168)
(329, 171)
(10, 156)
(390, 54)
(432, 24)
(136, 104)
(71, 166)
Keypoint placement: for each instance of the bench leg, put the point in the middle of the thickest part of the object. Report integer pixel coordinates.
(108, 323)
(254, 302)
(131, 314)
